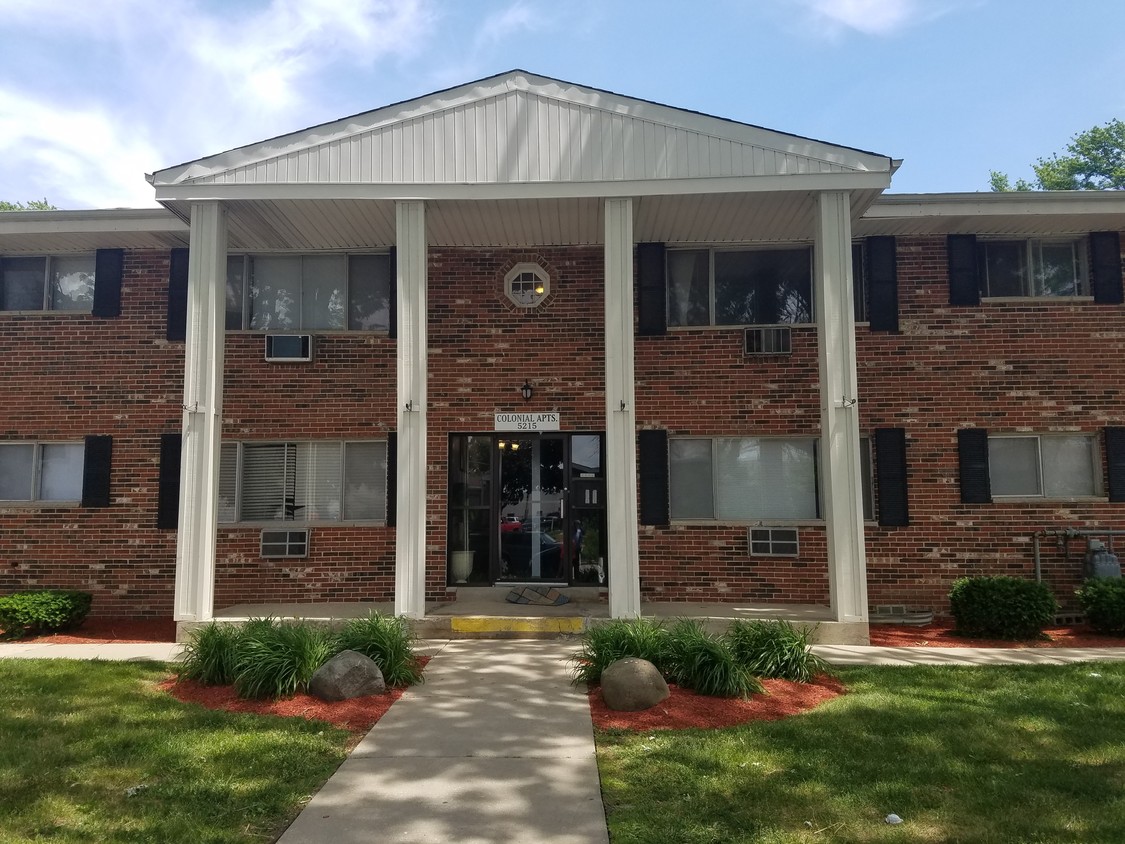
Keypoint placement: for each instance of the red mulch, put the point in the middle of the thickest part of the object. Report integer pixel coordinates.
(120, 630)
(940, 635)
(685, 708)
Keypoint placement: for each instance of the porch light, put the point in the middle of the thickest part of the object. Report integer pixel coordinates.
(527, 391)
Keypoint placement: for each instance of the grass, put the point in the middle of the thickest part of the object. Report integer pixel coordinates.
(964, 754)
(76, 736)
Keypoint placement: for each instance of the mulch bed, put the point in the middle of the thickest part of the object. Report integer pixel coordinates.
(116, 630)
(940, 635)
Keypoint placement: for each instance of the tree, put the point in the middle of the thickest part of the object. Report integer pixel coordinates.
(1095, 160)
(33, 205)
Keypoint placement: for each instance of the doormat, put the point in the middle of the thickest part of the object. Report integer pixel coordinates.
(542, 595)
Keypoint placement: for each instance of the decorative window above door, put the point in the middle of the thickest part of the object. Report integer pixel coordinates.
(527, 285)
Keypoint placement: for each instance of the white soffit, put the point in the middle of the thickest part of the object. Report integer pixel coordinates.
(37, 232)
(518, 128)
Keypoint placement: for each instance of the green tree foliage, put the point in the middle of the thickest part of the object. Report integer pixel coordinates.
(32, 205)
(1095, 160)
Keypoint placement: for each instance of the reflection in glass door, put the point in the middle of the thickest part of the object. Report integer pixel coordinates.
(530, 531)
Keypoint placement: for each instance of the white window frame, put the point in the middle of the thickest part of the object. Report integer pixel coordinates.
(1031, 246)
(46, 303)
(37, 471)
(244, 308)
(1095, 465)
(711, 252)
(239, 447)
(516, 275)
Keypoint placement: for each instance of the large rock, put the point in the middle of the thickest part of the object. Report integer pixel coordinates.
(348, 674)
(631, 684)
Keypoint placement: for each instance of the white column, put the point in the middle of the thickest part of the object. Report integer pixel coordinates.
(203, 414)
(621, 433)
(410, 534)
(839, 409)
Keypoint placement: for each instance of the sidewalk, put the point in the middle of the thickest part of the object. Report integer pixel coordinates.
(496, 746)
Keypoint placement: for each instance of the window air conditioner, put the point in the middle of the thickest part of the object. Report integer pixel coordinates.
(289, 348)
(285, 543)
(769, 341)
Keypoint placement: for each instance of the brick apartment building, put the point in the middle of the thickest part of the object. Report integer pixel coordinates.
(524, 331)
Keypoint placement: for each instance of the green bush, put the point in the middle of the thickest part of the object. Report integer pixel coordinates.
(41, 610)
(703, 662)
(211, 654)
(1103, 601)
(775, 649)
(604, 644)
(278, 659)
(1001, 607)
(388, 641)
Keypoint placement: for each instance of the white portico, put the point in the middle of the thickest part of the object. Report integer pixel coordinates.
(519, 160)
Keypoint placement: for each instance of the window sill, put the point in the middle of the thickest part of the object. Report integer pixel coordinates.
(318, 332)
(687, 329)
(1042, 499)
(295, 525)
(721, 523)
(1036, 300)
(40, 505)
(40, 312)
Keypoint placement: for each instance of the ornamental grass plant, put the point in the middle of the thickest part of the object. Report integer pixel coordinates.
(278, 660)
(775, 649)
(704, 662)
(388, 641)
(604, 644)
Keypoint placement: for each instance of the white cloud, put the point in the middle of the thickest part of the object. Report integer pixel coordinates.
(871, 17)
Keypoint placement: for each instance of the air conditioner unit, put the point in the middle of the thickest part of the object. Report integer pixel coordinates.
(776, 340)
(289, 348)
(285, 543)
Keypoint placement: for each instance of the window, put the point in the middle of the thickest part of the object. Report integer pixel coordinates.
(1033, 267)
(309, 292)
(303, 482)
(859, 282)
(527, 285)
(739, 286)
(1046, 466)
(752, 478)
(52, 283)
(32, 471)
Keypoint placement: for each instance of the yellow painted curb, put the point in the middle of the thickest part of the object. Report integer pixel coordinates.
(498, 624)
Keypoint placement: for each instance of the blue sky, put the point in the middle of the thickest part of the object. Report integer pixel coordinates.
(95, 93)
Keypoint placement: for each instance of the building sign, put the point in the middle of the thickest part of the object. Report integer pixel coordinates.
(527, 421)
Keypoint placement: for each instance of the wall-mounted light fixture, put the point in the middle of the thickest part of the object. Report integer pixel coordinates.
(527, 391)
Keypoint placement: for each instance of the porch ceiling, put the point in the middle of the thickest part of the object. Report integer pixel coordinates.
(290, 224)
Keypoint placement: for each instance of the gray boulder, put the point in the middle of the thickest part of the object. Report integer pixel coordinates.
(348, 674)
(631, 684)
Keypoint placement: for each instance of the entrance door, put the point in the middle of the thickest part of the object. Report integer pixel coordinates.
(526, 508)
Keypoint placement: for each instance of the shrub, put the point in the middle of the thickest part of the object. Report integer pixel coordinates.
(278, 659)
(1001, 607)
(22, 613)
(388, 641)
(210, 655)
(697, 660)
(604, 644)
(1103, 600)
(775, 649)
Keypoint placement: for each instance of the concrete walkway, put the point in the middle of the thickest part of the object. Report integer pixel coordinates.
(496, 746)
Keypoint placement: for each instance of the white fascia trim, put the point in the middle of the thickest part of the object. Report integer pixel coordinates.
(528, 190)
(1014, 204)
(77, 222)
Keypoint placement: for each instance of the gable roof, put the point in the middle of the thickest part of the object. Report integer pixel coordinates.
(520, 128)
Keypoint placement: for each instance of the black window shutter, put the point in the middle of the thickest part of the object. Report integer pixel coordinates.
(882, 282)
(392, 295)
(652, 300)
(964, 287)
(1105, 268)
(177, 296)
(392, 477)
(108, 267)
(168, 493)
(95, 471)
(890, 472)
(972, 453)
(1115, 461)
(652, 461)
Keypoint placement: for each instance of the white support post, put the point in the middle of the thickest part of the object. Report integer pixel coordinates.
(839, 408)
(621, 435)
(410, 534)
(203, 414)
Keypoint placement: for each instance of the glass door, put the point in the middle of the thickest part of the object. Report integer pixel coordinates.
(531, 529)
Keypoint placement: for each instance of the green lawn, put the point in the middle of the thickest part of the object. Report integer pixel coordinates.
(75, 737)
(999, 754)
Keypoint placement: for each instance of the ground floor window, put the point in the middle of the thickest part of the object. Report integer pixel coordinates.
(303, 481)
(1047, 466)
(35, 471)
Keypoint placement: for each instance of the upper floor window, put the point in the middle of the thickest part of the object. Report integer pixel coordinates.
(1033, 267)
(33, 471)
(48, 283)
(1046, 466)
(739, 286)
(309, 292)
